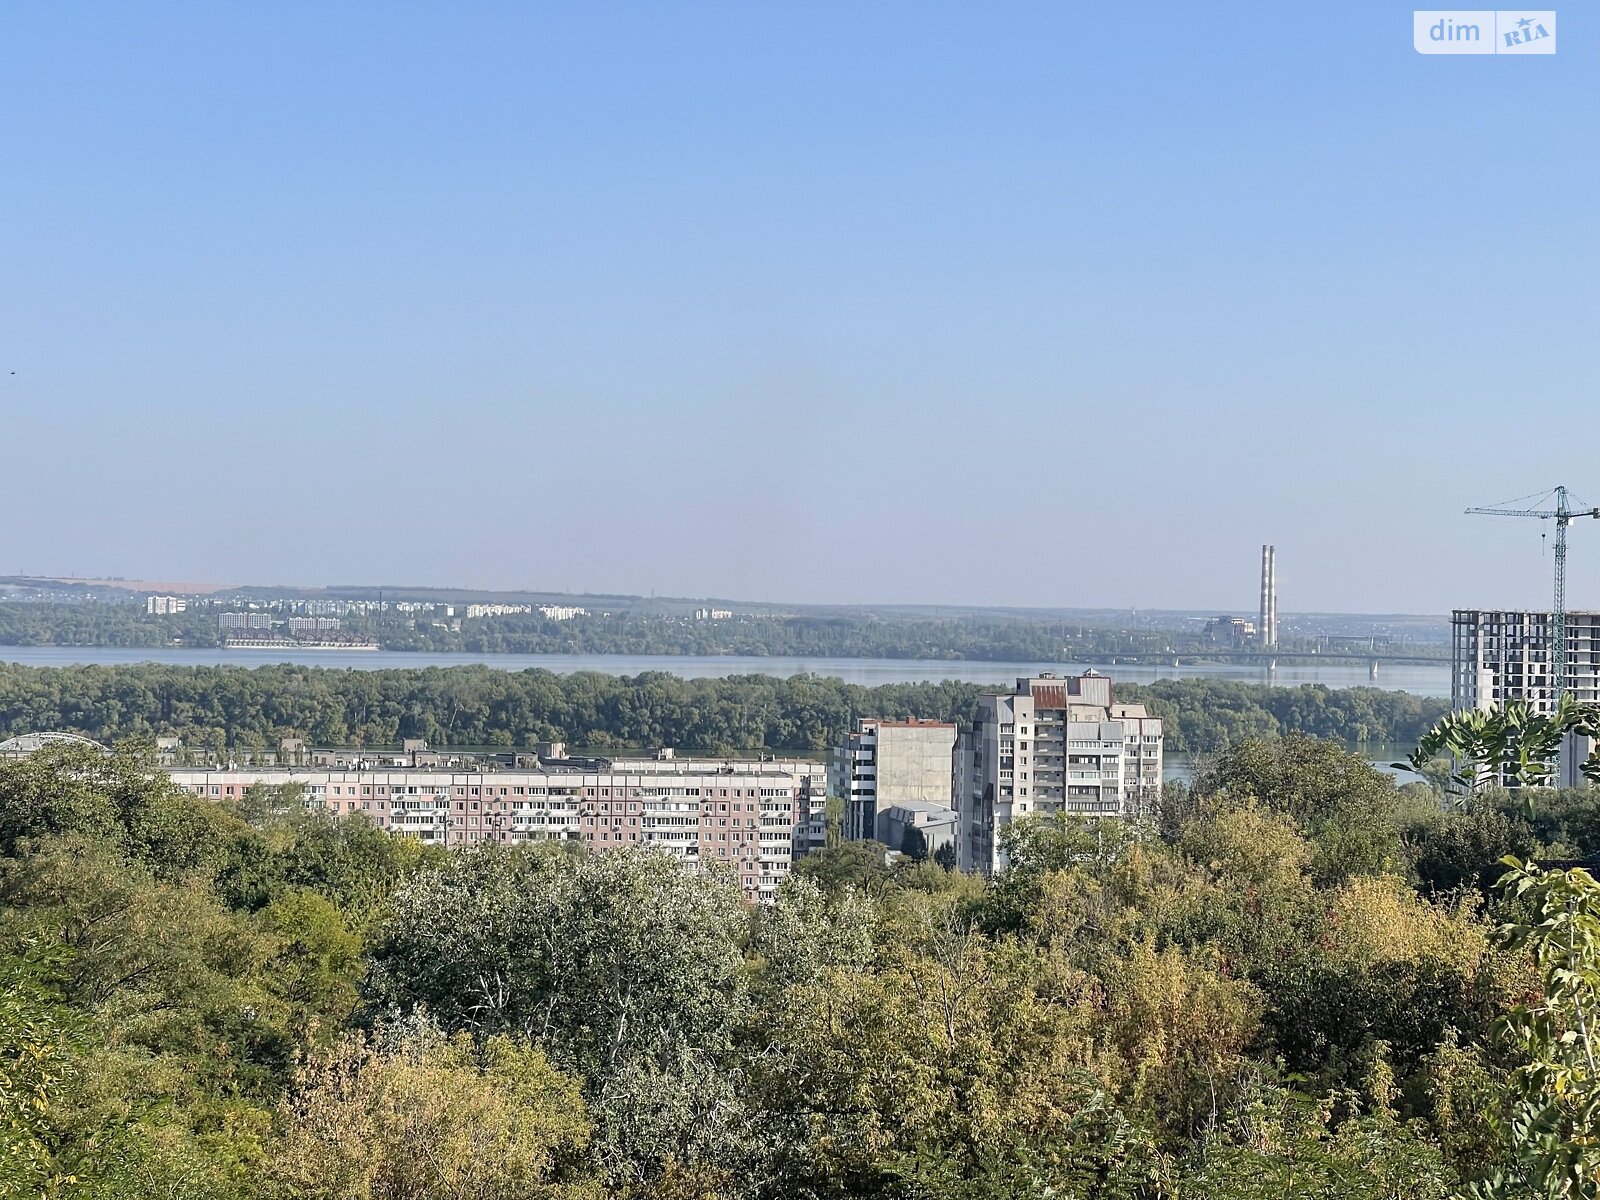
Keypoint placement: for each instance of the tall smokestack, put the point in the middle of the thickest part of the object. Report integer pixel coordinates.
(1272, 592)
(1267, 629)
(1263, 628)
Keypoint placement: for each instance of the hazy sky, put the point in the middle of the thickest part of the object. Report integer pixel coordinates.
(984, 303)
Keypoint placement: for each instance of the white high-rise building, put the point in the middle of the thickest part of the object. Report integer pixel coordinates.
(242, 620)
(561, 612)
(313, 624)
(1052, 746)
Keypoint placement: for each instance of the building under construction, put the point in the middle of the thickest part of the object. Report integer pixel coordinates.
(1505, 654)
(1535, 657)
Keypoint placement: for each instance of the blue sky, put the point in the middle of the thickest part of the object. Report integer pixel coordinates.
(986, 303)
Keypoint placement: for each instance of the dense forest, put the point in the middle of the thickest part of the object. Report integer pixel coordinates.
(1300, 981)
(987, 639)
(214, 708)
(100, 624)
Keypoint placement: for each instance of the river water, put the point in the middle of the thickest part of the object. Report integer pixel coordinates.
(1423, 680)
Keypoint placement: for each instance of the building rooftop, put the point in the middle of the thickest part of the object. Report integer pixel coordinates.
(921, 806)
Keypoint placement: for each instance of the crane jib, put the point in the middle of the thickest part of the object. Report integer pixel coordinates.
(1562, 514)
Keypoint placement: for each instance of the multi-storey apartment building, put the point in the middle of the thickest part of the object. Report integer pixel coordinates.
(752, 817)
(244, 620)
(474, 611)
(1051, 746)
(884, 763)
(1503, 654)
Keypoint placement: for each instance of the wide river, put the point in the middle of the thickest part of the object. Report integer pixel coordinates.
(1424, 680)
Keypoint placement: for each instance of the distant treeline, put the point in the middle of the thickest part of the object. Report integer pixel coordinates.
(98, 624)
(1210, 714)
(238, 707)
(1002, 640)
(985, 639)
(968, 638)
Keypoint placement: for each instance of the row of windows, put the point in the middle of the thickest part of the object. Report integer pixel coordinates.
(343, 789)
(692, 849)
(654, 823)
(649, 806)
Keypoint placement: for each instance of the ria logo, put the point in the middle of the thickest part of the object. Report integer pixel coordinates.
(1484, 31)
(1528, 31)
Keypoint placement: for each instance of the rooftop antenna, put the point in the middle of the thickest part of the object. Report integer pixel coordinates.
(1562, 515)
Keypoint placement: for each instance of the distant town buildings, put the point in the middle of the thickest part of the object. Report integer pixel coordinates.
(235, 604)
(1051, 746)
(244, 620)
(550, 612)
(475, 611)
(323, 607)
(558, 612)
(883, 763)
(713, 614)
(342, 608)
(1229, 631)
(751, 818)
(410, 607)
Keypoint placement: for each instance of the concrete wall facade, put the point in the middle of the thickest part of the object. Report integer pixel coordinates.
(891, 762)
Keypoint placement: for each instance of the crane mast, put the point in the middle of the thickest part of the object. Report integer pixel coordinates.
(1562, 515)
(1558, 615)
